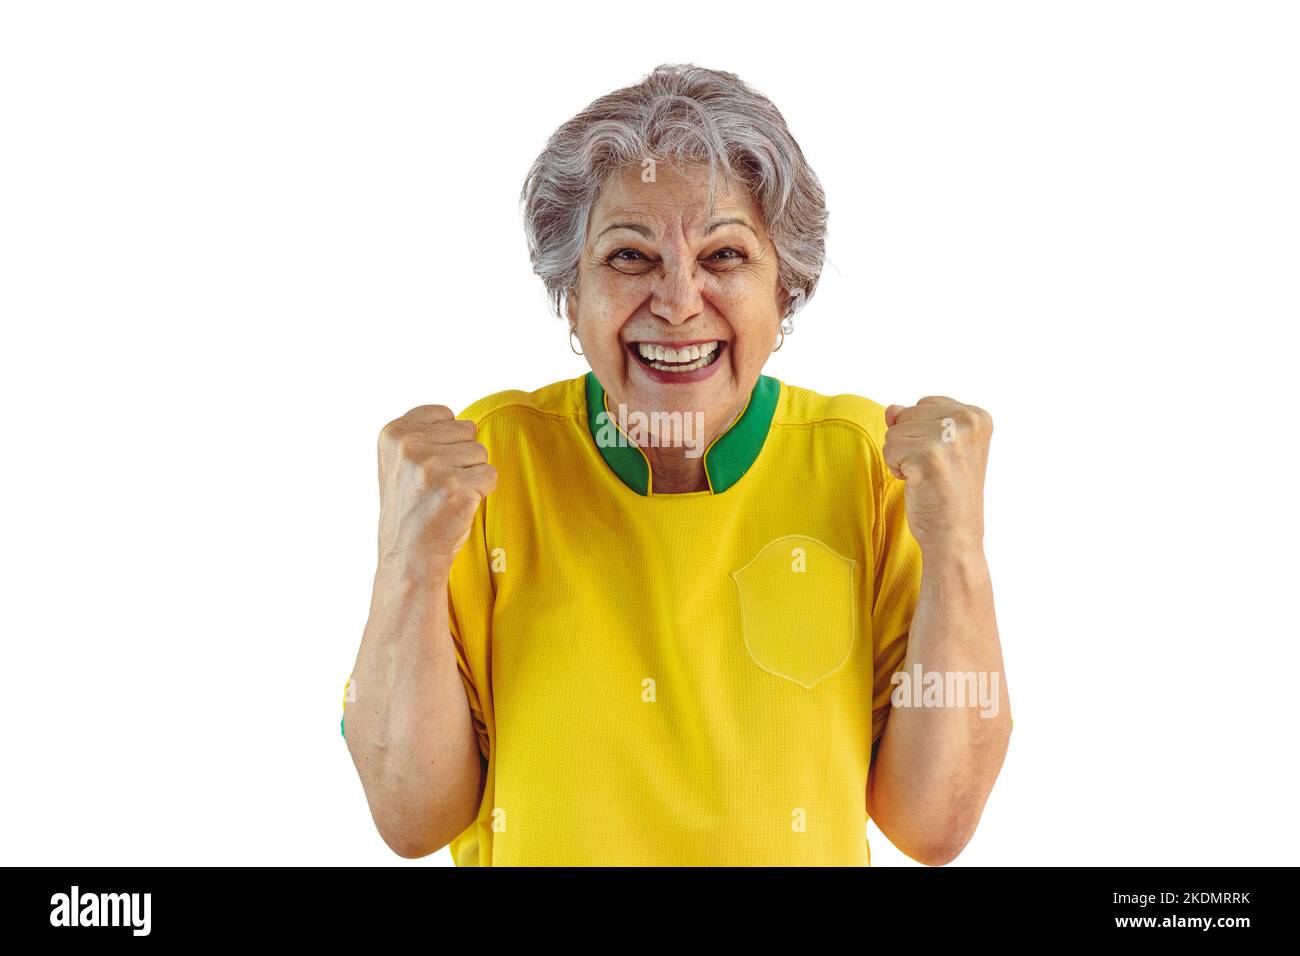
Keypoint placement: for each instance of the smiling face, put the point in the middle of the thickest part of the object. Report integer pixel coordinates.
(677, 311)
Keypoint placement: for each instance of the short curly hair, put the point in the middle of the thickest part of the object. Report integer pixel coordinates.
(678, 114)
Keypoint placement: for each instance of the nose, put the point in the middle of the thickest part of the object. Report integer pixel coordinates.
(677, 290)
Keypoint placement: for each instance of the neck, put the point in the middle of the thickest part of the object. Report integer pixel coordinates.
(674, 473)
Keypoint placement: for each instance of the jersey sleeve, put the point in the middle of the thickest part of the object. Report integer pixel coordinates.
(897, 589)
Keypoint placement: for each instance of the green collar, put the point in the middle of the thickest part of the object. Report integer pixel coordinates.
(725, 460)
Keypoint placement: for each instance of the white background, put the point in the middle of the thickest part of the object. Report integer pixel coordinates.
(238, 238)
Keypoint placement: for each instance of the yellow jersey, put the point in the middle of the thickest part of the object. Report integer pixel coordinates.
(680, 679)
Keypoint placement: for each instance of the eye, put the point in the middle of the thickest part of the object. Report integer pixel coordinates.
(619, 256)
(629, 262)
(736, 255)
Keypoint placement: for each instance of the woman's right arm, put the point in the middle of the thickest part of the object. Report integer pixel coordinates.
(407, 721)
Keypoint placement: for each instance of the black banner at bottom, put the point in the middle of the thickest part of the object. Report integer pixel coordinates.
(915, 906)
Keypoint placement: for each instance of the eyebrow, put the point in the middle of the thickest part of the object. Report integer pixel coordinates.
(644, 231)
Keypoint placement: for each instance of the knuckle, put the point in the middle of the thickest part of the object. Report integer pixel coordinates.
(430, 411)
(435, 478)
(459, 492)
(409, 444)
(453, 430)
(426, 469)
(455, 480)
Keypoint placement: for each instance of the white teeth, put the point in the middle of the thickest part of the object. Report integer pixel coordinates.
(689, 367)
(685, 359)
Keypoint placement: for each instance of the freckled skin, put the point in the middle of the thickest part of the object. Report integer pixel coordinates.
(677, 285)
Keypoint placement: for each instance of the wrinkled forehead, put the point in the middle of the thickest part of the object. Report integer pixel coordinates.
(670, 195)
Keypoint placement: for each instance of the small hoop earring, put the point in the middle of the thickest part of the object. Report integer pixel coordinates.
(787, 326)
(572, 330)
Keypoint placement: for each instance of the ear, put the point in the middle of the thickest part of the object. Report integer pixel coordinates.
(571, 307)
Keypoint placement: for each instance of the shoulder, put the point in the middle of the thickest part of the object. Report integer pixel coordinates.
(803, 407)
(558, 401)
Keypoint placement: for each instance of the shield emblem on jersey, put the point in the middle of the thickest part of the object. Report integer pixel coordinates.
(798, 609)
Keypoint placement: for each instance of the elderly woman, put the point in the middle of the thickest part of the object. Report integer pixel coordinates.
(666, 613)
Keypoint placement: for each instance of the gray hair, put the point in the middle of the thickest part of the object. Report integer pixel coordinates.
(678, 114)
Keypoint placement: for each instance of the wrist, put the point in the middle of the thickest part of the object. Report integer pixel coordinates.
(953, 541)
(410, 579)
(963, 565)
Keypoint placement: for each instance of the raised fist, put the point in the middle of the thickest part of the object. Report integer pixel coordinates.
(940, 447)
(432, 476)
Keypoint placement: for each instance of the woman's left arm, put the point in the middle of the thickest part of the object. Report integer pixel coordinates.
(937, 764)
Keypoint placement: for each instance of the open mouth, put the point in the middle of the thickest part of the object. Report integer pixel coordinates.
(683, 358)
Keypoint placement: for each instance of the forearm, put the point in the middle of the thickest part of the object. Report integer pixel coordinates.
(409, 728)
(937, 765)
